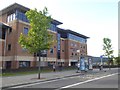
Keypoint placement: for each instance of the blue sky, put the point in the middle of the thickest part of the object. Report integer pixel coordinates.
(94, 18)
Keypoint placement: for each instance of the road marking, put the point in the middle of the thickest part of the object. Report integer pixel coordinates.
(21, 86)
(86, 81)
(40, 83)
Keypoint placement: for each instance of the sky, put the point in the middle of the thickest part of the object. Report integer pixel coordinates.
(96, 19)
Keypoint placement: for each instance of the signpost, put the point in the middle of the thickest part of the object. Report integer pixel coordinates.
(101, 58)
(101, 64)
(90, 64)
(82, 64)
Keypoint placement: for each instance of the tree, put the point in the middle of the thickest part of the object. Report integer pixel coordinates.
(107, 47)
(117, 59)
(38, 38)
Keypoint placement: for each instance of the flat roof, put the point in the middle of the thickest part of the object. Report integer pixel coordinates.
(16, 6)
(56, 22)
(71, 32)
(13, 7)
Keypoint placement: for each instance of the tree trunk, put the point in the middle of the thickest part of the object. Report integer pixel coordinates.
(39, 69)
(109, 65)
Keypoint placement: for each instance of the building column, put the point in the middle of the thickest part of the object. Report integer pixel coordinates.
(69, 63)
(66, 63)
(3, 65)
(33, 63)
(14, 64)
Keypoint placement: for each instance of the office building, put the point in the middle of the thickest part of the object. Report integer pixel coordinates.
(13, 21)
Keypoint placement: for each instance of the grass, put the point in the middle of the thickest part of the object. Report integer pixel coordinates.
(12, 73)
(23, 73)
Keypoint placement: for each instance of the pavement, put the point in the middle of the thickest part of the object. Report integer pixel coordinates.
(28, 79)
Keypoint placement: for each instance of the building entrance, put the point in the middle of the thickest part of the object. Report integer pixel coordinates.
(8, 65)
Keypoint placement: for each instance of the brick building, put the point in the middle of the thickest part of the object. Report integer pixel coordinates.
(13, 22)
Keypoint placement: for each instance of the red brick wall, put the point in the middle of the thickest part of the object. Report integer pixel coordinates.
(63, 51)
(72, 47)
(3, 18)
(54, 46)
(1, 48)
(20, 28)
(15, 65)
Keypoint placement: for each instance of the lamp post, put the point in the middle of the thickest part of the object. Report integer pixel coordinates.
(78, 51)
(78, 64)
(101, 63)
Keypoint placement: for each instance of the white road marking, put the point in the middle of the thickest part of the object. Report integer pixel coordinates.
(21, 86)
(40, 83)
(87, 81)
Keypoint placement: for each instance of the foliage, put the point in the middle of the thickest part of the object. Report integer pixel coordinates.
(38, 37)
(117, 60)
(107, 47)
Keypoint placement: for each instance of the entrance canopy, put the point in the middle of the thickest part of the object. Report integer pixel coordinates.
(3, 28)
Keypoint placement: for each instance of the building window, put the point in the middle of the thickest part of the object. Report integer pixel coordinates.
(72, 54)
(72, 44)
(9, 47)
(24, 64)
(21, 16)
(1, 34)
(51, 50)
(25, 31)
(24, 49)
(58, 44)
(77, 38)
(53, 27)
(9, 31)
(75, 45)
(75, 54)
(84, 47)
(11, 17)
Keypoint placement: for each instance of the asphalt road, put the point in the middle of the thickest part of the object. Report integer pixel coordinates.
(102, 79)
(108, 82)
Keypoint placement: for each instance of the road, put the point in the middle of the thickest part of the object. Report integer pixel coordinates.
(107, 82)
(108, 79)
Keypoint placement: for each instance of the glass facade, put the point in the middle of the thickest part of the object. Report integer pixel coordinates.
(0, 33)
(21, 16)
(58, 45)
(24, 64)
(11, 17)
(58, 36)
(17, 15)
(77, 38)
(53, 27)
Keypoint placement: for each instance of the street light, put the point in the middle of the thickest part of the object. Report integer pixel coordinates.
(78, 51)
(101, 63)
(78, 64)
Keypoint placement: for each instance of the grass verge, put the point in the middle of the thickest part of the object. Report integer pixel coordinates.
(28, 72)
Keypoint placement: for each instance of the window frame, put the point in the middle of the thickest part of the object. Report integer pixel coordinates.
(51, 52)
(25, 32)
(9, 46)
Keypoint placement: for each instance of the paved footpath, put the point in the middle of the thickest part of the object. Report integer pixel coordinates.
(26, 79)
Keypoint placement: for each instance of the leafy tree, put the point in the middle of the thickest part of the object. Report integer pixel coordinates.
(107, 47)
(117, 59)
(38, 38)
